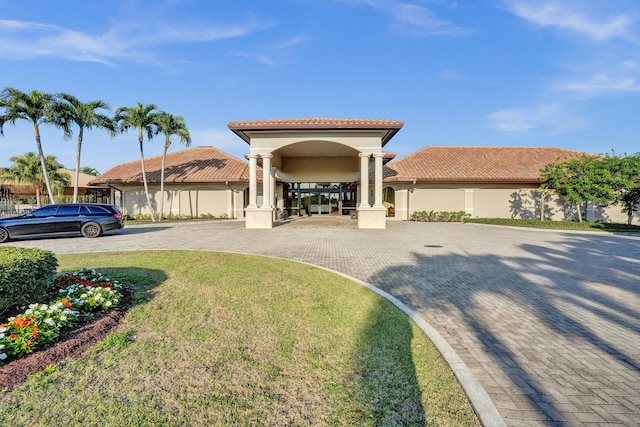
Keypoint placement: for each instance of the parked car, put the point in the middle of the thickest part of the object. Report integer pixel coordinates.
(90, 219)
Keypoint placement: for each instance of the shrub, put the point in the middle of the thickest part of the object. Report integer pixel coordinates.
(25, 275)
(444, 216)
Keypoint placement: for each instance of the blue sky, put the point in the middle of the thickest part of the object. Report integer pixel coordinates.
(562, 73)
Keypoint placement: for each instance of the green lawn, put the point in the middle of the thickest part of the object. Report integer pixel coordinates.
(222, 339)
(557, 225)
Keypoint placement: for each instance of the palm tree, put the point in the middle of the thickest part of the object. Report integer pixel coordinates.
(144, 118)
(26, 169)
(35, 107)
(89, 171)
(86, 116)
(170, 125)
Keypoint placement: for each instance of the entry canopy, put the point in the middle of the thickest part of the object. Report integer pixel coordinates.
(316, 150)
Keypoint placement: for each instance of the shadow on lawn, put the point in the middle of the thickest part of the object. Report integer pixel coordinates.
(571, 322)
(386, 370)
(142, 280)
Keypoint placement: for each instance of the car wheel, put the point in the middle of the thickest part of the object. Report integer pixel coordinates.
(91, 229)
(4, 235)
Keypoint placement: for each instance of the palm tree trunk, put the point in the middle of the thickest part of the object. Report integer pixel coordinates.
(579, 205)
(38, 204)
(45, 173)
(144, 180)
(164, 157)
(75, 185)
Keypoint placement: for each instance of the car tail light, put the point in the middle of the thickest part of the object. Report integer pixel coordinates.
(117, 216)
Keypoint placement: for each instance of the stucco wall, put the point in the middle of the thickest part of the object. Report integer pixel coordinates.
(187, 200)
(496, 201)
(437, 199)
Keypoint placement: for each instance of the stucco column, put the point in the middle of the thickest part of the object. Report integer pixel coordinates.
(266, 181)
(364, 179)
(272, 193)
(377, 157)
(253, 180)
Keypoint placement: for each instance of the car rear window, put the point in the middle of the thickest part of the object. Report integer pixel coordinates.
(98, 210)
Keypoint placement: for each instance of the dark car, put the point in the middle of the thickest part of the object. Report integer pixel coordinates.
(90, 219)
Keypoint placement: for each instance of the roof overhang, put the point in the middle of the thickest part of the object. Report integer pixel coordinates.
(387, 128)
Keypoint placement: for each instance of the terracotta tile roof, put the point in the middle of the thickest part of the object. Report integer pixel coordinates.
(392, 126)
(475, 164)
(194, 165)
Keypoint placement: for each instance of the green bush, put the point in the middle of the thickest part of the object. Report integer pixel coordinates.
(25, 275)
(444, 216)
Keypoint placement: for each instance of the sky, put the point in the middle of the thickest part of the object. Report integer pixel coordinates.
(560, 73)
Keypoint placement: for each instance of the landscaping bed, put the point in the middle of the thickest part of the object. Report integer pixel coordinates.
(71, 344)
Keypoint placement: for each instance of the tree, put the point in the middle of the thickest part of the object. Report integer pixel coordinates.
(626, 175)
(89, 171)
(26, 169)
(85, 116)
(143, 118)
(579, 180)
(35, 107)
(170, 125)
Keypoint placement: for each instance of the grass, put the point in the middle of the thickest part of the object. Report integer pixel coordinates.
(557, 225)
(223, 339)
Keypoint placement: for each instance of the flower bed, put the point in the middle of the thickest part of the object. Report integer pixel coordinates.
(75, 297)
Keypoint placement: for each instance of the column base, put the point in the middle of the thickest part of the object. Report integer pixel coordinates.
(372, 217)
(259, 218)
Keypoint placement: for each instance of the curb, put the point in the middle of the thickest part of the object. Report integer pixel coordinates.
(479, 398)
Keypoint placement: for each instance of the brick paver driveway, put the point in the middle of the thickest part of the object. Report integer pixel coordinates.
(548, 322)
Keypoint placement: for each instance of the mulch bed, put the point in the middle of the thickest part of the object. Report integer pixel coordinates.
(73, 343)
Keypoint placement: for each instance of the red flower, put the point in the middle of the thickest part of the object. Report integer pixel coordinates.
(35, 336)
(13, 336)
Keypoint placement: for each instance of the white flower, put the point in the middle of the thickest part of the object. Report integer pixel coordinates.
(3, 356)
(107, 304)
(63, 318)
(1, 336)
(3, 328)
(49, 321)
(1, 346)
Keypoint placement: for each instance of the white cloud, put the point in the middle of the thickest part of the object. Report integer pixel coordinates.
(414, 19)
(601, 84)
(450, 75)
(546, 119)
(572, 16)
(125, 41)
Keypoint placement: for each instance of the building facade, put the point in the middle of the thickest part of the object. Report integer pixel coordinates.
(299, 167)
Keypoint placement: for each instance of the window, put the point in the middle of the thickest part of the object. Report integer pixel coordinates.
(67, 211)
(45, 211)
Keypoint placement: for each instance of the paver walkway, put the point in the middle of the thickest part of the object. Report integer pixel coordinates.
(548, 322)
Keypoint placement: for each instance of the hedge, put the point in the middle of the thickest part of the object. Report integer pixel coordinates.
(25, 275)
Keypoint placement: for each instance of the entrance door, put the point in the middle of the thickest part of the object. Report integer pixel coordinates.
(319, 198)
